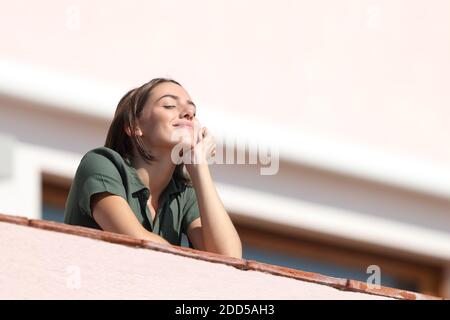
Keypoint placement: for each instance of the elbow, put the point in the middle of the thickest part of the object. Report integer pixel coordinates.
(231, 247)
(238, 251)
(236, 254)
(235, 251)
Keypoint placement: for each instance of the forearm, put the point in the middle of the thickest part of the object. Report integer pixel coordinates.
(219, 233)
(112, 213)
(152, 237)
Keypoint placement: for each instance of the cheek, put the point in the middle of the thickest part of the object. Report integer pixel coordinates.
(162, 117)
(157, 121)
(158, 131)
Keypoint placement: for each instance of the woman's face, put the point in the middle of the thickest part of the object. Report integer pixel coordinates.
(168, 115)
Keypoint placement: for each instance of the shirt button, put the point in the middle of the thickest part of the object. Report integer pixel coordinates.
(146, 193)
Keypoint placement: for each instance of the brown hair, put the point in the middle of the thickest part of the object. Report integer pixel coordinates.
(127, 113)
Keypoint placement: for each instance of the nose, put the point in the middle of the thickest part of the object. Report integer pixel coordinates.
(188, 113)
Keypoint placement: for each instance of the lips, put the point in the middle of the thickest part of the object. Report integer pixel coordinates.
(184, 124)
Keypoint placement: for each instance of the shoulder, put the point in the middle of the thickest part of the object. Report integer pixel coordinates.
(101, 160)
(100, 170)
(103, 154)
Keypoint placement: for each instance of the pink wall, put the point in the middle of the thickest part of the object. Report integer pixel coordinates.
(362, 71)
(40, 264)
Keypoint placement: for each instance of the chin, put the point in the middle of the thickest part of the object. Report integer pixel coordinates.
(186, 136)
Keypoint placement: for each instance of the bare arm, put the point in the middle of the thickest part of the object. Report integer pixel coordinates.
(112, 213)
(215, 231)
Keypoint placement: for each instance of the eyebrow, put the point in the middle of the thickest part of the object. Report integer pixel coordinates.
(176, 98)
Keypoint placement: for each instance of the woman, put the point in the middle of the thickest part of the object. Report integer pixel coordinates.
(134, 185)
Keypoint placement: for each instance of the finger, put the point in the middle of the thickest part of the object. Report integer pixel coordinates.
(197, 130)
(200, 135)
(209, 139)
(204, 132)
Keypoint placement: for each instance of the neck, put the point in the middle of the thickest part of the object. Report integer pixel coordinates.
(156, 175)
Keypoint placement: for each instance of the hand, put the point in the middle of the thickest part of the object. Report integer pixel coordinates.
(203, 150)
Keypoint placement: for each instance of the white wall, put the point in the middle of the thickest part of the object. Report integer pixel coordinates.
(370, 72)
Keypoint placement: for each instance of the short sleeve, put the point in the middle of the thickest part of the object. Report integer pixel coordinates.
(96, 174)
(190, 210)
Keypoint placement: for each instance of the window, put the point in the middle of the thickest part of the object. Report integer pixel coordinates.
(54, 194)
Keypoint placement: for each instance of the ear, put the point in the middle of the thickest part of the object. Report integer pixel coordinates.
(137, 131)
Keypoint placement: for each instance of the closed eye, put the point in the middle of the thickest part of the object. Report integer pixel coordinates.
(169, 107)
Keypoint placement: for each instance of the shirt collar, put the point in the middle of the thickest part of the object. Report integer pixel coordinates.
(173, 186)
(136, 184)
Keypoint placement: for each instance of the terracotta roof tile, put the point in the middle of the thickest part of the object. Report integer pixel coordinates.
(358, 286)
(14, 219)
(297, 274)
(86, 232)
(196, 254)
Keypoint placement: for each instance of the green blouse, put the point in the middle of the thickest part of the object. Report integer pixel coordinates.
(104, 170)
